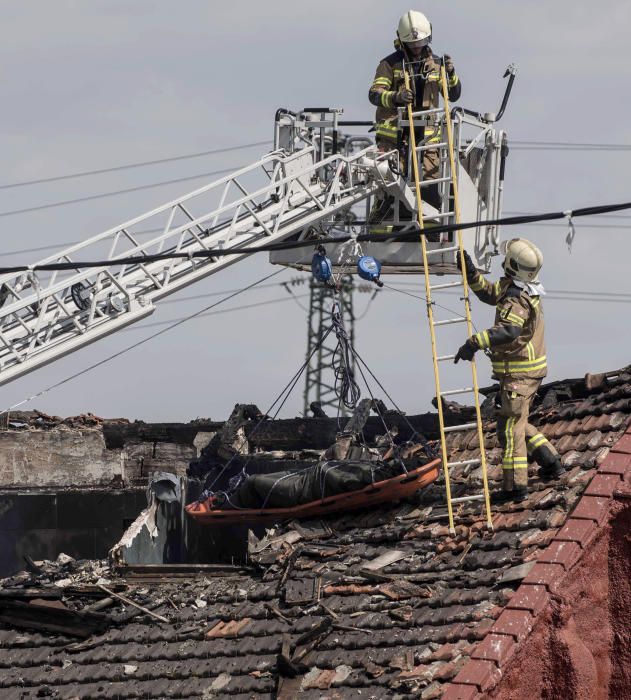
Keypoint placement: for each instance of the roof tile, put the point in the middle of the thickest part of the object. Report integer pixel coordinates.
(496, 647)
(603, 485)
(456, 691)
(579, 531)
(564, 553)
(616, 462)
(482, 674)
(545, 574)
(591, 508)
(516, 623)
(623, 445)
(530, 597)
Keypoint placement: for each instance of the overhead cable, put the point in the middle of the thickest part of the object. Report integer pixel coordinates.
(568, 146)
(278, 300)
(129, 166)
(137, 344)
(101, 195)
(409, 236)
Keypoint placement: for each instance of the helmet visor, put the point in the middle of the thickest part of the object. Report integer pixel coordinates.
(418, 43)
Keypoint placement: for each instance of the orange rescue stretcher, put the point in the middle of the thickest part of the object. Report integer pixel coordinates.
(393, 489)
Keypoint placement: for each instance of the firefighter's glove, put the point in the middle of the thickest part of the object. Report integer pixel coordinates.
(404, 97)
(468, 264)
(466, 352)
(449, 65)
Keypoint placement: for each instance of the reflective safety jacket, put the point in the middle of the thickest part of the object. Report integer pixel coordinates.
(516, 340)
(425, 84)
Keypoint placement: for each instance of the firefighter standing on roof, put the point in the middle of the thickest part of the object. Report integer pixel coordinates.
(518, 357)
(388, 91)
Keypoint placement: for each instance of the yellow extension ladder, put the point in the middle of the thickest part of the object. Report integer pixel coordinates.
(429, 288)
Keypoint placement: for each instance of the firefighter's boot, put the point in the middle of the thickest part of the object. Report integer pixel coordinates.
(553, 470)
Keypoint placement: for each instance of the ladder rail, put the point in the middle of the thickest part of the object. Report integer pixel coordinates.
(450, 164)
(467, 301)
(428, 299)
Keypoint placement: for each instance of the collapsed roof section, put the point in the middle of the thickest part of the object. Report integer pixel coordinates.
(383, 601)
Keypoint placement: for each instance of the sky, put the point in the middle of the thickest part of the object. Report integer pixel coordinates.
(91, 85)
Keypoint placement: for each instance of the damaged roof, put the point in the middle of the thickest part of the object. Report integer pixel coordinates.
(380, 603)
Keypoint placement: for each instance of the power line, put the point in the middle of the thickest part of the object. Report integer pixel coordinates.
(587, 225)
(624, 217)
(138, 343)
(568, 146)
(290, 245)
(278, 300)
(101, 195)
(129, 166)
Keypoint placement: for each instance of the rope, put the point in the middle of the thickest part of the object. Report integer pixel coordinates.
(346, 388)
(429, 451)
(286, 391)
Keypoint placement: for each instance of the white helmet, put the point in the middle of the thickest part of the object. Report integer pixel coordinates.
(523, 259)
(415, 28)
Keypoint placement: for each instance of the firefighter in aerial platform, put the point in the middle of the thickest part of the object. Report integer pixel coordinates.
(518, 357)
(388, 92)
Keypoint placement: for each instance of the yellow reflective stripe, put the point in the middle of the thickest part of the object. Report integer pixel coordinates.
(433, 77)
(453, 80)
(386, 128)
(483, 340)
(496, 288)
(382, 82)
(517, 320)
(387, 98)
(508, 438)
(530, 349)
(537, 440)
(515, 463)
(505, 366)
(481, 284)
(535, 301)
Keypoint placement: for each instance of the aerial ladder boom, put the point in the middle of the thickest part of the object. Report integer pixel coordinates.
(301, 190)
(46, 315)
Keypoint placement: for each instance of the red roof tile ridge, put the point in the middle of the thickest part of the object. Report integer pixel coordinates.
(491, 656)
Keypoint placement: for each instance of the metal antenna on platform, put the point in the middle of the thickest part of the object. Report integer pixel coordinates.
(319, 377)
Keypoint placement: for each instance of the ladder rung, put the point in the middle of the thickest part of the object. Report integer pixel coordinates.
(464, 390)
(431, 147)
(464, 463)
(444, 358)
(448, 321)
(441, 215)
(446, 285)
(427, 183)
(463, 426)
(464, 499)
(438, 251)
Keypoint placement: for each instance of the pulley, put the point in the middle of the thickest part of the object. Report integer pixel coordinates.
(368, 268)
(321, 267)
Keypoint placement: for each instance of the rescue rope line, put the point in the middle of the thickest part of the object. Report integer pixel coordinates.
(282, 398)
(346, 388)
(410, 236)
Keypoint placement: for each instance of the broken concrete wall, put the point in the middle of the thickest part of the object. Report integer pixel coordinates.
(59, 455)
